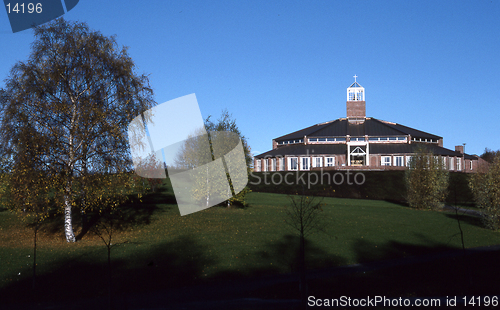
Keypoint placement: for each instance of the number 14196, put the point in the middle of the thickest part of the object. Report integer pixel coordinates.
(481, 301)
(19, 8)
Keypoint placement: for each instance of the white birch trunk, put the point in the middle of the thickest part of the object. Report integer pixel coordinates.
(208, 191)
(68, 224)
(68, 196)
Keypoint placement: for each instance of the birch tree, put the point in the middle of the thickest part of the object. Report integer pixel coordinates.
(72, 100)
(203, 147)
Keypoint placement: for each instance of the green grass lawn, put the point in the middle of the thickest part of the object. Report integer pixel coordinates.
(160, 249)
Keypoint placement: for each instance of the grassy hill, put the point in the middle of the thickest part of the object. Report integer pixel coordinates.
(159, 249)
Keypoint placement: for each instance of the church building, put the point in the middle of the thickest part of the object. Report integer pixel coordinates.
(358, 142)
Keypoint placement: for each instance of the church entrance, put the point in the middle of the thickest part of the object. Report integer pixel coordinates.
(357, 161)
(358, 155)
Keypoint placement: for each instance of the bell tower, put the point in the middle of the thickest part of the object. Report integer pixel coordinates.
(356, 106)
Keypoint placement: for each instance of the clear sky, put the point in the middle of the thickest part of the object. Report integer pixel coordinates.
(280, 66)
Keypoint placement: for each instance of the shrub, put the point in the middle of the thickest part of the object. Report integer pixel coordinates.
(486, 190)
(426, 181)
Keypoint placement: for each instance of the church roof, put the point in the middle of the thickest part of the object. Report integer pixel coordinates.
(301, 149)
(405, 148)
(370, 127)
(375, 148)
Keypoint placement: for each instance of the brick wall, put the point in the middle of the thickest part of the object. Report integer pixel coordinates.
(356, 109)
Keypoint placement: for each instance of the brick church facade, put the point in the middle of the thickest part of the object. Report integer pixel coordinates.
(358, 142)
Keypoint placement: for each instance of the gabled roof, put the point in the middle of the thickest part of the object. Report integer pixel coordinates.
(370, 127)
(355, 84)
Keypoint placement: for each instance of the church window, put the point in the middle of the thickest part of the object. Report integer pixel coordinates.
(330, 161)
(317, 162)
(257, 165)
(386, 160)
(398, 161)
(305, 163)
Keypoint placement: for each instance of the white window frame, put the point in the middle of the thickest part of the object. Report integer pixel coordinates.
(273, 164)
(258, 165)
(327, 164)
(290, 159)
(384, 162)
(305, 163)
(452, 167)
(401, 159)
(281, 163)
(459, 164)
(317, 162)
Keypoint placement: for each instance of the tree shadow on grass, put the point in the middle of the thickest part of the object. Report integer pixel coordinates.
(389, 268)
(276, 275)
(469, 219)
(76, 277)
(284, 253)
(427, 269)
(129, 214)
(151, 276)
(397, 269)
(367, 251)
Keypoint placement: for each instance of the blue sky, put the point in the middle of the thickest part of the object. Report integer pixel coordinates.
(280, 66)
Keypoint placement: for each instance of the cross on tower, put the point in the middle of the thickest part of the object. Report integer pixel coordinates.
(355, 76)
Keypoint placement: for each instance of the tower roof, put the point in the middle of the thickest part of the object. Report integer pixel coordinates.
(355, 85)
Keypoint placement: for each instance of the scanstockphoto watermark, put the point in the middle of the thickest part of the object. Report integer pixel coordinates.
(309, 178)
